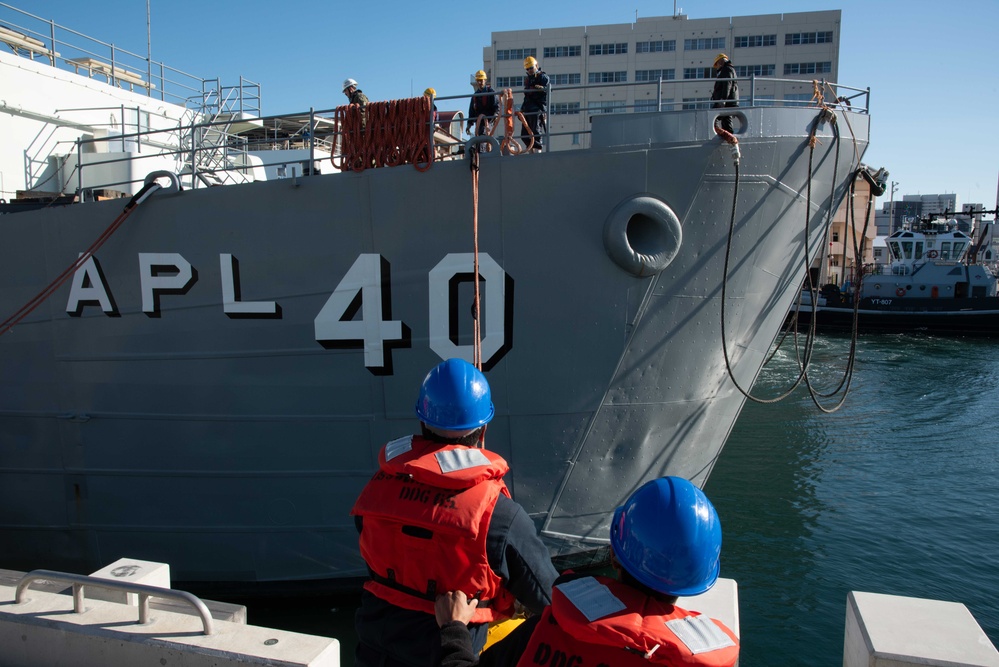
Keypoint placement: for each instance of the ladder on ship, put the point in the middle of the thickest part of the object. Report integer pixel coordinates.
(216, 156)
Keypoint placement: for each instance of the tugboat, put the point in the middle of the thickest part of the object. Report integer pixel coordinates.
(931, 284)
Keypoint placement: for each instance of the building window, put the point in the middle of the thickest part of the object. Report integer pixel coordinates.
(515, 54)
(794, 38)
(698, 73)
(655, 74)
(646, 105)
(808, 68)
(749, 41)
(509, 81)
(659, 46)
(565, 108)
(704, 44)
(561, 51)
(835, 237)
(798, 99)
(609, 106)
(608, 77)
(755, 70)
(696, 103)
(565, 79)
(608, 49)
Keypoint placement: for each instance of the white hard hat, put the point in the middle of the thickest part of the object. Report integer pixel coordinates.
(348, 83)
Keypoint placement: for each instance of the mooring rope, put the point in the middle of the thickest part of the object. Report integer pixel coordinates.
(477, 311)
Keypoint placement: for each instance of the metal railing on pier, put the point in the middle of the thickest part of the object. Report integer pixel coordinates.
(80, 581)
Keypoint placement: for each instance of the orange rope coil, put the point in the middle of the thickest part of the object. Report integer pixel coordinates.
(386, 135)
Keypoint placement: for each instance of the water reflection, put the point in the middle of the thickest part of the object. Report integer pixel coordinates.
(893, 494)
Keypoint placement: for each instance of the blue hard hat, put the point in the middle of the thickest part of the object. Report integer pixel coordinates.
(667, 535)
(455, 396)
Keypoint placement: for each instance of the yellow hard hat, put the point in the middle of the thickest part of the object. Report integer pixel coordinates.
(529, 62)
(431, 92)
(720, 57)
(480, 76)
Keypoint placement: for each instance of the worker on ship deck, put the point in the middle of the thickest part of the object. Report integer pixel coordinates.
(482, 108)
(535, 105)
(432, 94)
(356, 96)
(665, 543)
(726, 91)
(438, 517)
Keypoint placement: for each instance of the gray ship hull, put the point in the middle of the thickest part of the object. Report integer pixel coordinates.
(224, 420)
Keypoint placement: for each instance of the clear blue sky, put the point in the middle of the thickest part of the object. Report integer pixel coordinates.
(300, 52)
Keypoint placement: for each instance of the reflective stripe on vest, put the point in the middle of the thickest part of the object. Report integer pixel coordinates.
(398, 446)
(454, 460)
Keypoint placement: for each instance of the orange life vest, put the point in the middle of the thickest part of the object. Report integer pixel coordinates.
(426, 517)
(627, 628)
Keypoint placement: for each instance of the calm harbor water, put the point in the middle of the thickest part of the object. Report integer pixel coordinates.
(895, 493)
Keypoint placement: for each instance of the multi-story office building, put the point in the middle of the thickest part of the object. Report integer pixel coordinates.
(776, 56)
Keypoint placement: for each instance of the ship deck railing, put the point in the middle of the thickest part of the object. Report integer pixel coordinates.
(64, 48)
(224, 135)
(214, 151)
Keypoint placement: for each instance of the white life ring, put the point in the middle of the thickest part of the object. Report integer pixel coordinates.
(932, 254)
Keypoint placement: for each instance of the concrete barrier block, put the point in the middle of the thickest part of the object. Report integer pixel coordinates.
(720, 602)
(132, 571)
(895, 631)
(44, 630)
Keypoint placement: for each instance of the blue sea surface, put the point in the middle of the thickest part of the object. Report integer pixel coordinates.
(894, 493)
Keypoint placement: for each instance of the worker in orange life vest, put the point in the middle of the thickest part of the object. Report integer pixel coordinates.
(665, 543)
(438, 517)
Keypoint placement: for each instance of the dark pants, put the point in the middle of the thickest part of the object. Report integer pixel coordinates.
(535, 127)
(724, 122)
(389, 636)
(366, 656)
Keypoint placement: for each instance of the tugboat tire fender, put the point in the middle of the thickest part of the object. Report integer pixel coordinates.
(642, 235)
